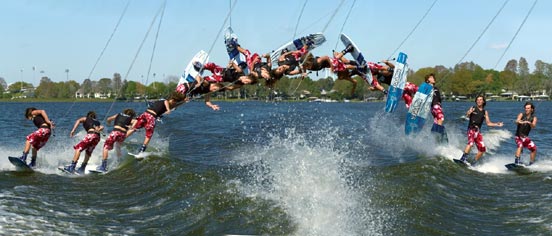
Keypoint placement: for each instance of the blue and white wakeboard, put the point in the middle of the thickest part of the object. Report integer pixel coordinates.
(397, 83)
(419, 109)
(357, 55)
(192, 72)
(231, 40)
(313, 40)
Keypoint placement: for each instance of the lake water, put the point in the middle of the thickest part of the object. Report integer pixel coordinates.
(279, 169)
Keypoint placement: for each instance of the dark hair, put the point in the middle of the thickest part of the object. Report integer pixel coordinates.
(429, 75)
(276, 75)
(91, 114)
(129, 112)
(29, 112)
(177, 97)
(308, 61)
(484, 100)
(532, 106)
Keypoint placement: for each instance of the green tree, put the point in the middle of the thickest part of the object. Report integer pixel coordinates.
(523, 68)
(3, 85)
(117, 84)
(46, 88)
(134, 89)
(157, 90)
(511, 66)
(508, 79)
(104, 85)
(86, 86)
(72, 87)
(17, 87)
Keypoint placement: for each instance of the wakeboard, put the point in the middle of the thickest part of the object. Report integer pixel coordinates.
(20, 165)
(192, 71)
(94, 171)
(518, 168)
(230, 40)
(357, 55)
(313, 40)
(139, 156)
(397, 83)
(62, 168)
(462, 163)
(419, 109)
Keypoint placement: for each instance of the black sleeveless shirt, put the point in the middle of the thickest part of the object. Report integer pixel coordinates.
(123, 120)
(231, 75)
(90, 124)
(319, 66)
(40, 122)
(476, 118)
(386, 79)
(524, 129)
(158, 107)
(436, 96)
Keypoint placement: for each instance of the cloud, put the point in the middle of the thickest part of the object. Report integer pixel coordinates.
(499, 45)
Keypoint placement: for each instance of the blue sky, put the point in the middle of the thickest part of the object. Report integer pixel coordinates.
(55, 35)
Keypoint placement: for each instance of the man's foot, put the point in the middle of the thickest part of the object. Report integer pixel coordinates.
(70, 168)
(243, 65)
(517, 161)
(197, 65)
(231, 42)
(23, 157)
(464, 158)
(81, 169)
(103, 166)
(349, 48)
(308, 41)
(142, 149)
(33, 162)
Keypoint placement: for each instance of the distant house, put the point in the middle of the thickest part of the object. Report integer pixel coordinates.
(102, 95)
(80, 94)
(509, 95)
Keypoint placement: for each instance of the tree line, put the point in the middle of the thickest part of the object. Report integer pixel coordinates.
(467, 79)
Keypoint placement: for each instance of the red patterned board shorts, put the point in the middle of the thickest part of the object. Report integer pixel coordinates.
(146, 120)
(39, 138)
(375, 81)
(88, 143)
(474, 136)
(251, 59)
(216, 71)
(300, 53)
(437, 113)
(337, 65)
(408, 93)
(526, 142)
(114, 136)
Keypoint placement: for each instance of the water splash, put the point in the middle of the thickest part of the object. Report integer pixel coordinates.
(309, 180)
